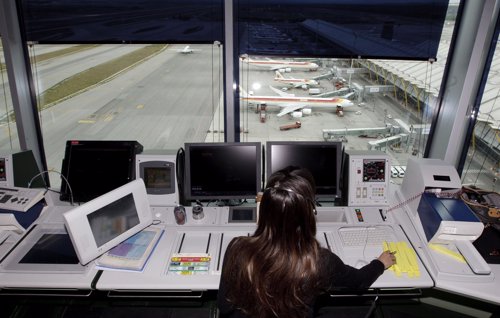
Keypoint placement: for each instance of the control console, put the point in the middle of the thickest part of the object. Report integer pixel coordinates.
(19, 199)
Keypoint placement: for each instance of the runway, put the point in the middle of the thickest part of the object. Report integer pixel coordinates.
(162, 103)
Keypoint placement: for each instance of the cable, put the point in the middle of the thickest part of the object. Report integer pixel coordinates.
(372, 308)
(62, 176)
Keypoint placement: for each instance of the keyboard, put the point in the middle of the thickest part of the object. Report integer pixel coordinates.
(362, 236)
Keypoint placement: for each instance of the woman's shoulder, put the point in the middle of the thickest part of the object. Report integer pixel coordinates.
(239, 242)
(236, 249)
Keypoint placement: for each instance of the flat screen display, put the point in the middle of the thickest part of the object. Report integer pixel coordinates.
(322, 159)
(93, 168)
(51, 248)
(113, 219)
(223, 170)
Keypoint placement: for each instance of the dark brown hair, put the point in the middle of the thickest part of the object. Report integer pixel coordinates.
(274, 273)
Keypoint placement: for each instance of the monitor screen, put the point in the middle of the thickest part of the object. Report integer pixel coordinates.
(158, 176)
(93, 168)
(102, 223)
(113, 219)
(322, 159)
(223, 170)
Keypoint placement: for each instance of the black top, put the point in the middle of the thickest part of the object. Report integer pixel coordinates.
(335, 275)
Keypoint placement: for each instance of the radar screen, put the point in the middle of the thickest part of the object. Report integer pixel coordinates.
(373, 170)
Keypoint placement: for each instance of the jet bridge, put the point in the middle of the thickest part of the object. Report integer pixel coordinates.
(333, 134)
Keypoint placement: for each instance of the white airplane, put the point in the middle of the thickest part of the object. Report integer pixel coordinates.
(274, 65)
(295, 82)
(187, 50)
(290, 103)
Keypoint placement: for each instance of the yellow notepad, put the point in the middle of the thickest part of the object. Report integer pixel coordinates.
(406, 259)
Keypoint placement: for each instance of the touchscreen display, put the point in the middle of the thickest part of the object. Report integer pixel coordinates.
(157, 177)
(51, 249)
(113, 219)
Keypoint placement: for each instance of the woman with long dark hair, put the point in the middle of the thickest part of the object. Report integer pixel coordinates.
(281, 269)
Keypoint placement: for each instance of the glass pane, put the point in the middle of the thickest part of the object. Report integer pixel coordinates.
(374, 104)
(159, 95)
(482, 165)
(8, 131)
(146, 21)
(387, 29)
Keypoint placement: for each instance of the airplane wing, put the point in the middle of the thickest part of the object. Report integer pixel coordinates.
(276, 67)
(288, 109)
(281, 93)
(346, 96)
(299, 85)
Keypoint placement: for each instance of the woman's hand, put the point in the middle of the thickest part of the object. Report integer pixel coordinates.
(388, 259)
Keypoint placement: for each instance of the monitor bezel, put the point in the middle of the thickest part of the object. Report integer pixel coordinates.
(70, 193)
(187, 173)
(159, 164)
(298, 144)
(78, 226)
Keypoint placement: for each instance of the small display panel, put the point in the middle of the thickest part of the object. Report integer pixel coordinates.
(3, 173)
(51, 248)
(242, 215)
(158, 177)
(113, 219)
(442, 178)
(374, 170)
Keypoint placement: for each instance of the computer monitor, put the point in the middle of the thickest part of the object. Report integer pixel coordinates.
(222, 171)
(102, 223)
(158, 170)
(322, 159)
(19, 169)
(95, 167)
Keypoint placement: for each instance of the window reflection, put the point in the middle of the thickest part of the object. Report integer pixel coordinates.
(160, 95)
(482, 164)
(382, 105)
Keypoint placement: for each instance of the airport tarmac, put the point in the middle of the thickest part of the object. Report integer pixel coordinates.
(381, 111)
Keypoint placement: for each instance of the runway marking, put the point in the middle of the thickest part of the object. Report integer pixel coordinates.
(140, 106)
(86, 121)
